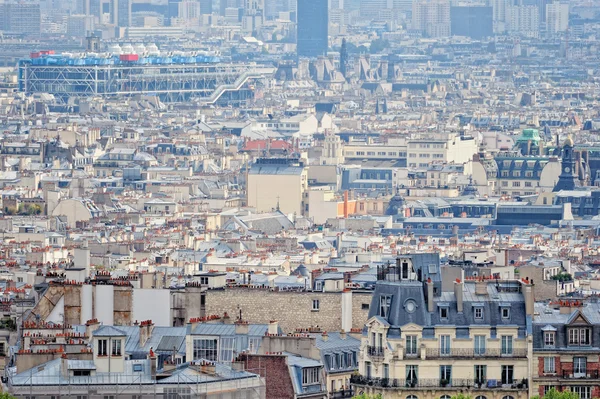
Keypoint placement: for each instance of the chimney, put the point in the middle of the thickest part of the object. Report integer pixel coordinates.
(273, 327)
(430, 295)
(64, 366)
(241, 327)
(481, 287)
(325, 336)
(91, 326)
(529, 299)
(458, 293)
(226, 319)
(146, 328)
(343, 334)
(152, 358)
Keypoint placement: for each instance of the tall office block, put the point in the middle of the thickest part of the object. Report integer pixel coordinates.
(431, 17)
(206, 6)
(313, 28)
(524, 21)
(472, 21)
(124, 19)
(557, 17)
(20, 17)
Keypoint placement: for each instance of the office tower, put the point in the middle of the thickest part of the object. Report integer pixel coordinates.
(120, 13)
(372, 9)
(524, 21)
(21, 18)
(472, 21)
(344, 58)
(206, 6)
(96, 9)
(173, 8)
(431, 17)
(82, 7)
(500, 14)
(80, 25)
(557, 17)
(313, 28)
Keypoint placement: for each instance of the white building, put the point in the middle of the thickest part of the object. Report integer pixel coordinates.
(557, 17)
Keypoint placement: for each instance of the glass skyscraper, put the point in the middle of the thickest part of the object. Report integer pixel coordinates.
(313, 23)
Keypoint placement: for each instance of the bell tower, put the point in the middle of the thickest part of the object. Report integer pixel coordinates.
(568, 178)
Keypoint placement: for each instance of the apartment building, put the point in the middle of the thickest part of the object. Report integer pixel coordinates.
(565, 348)
(450, 148)
(420, 342)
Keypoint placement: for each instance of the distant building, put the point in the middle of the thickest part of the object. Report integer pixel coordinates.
(524, 21)
(20, 17)
(557, 17)
(472, 21)
(431, 18)
(568, 178)
(313, 22)
(277, 183)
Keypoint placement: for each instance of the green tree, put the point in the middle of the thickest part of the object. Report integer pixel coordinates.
(554, 394)
(6, 395)
(378, 45)
(461, 396)
(365, 396)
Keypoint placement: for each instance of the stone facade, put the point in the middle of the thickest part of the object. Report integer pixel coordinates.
(292, 309)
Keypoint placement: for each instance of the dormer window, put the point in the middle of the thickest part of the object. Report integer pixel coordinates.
(443, 312)
(385, 303)
(580, 336)
(116, 347)
(549, 339)
(505, 313)
(478, 311)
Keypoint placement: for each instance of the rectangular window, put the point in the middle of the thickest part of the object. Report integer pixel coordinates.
(548, 388)
(549, 365)
(411, 345)
(507, 345)
(549, 337)
(226, 348)
(443, 313)
(310, 376)
(579, 366)
(116, 347)
(315, 305)
(480, 374)
(505, 313)
(205, 349)
(507, 375)
(579, 336)
(368, 369)
(444, 344)
(479, 342)
(584, 392)
(412, 373)
(478, 313)
(102, 347)
(385, 303)
(445, 374)
(386, 370)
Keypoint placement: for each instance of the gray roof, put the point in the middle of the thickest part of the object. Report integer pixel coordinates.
(109, 331)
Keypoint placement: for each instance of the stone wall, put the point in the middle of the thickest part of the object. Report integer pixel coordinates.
(293, 310)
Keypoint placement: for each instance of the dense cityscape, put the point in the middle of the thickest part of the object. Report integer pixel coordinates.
(300, 199)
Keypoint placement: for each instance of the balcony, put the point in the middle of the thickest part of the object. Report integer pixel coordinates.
(343, 393)
(587, 375)
(428, 383)
(470, 353)
(375, 351)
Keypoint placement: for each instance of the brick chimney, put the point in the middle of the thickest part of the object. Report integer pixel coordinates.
(146, 328)
(458, 293)
(430, 295)
(273, 327)
(91, 326)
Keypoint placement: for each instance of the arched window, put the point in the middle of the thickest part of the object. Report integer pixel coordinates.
(480, 397)
(507, 397)
(445, 397)
(412, 397)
